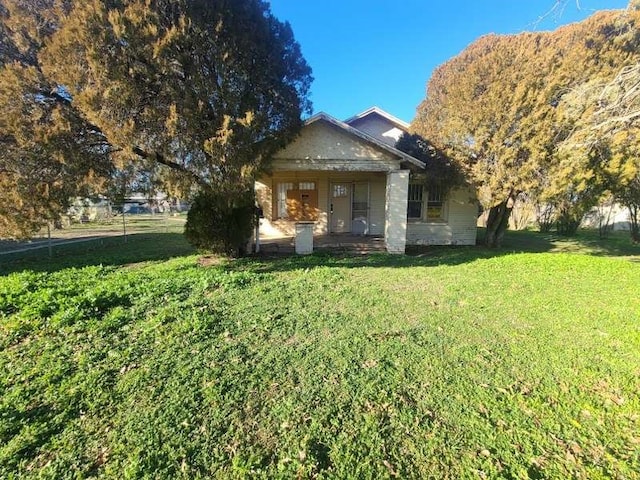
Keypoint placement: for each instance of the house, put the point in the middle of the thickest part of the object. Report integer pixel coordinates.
(348, 178)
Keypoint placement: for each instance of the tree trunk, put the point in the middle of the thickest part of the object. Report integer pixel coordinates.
(634, 223)
(497, 224)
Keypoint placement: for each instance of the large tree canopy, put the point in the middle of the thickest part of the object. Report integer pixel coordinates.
(603, 147)
(48, 152)
(505, 104)
(205, 90)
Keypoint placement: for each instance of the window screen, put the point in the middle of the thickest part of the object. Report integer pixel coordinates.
(414, 204)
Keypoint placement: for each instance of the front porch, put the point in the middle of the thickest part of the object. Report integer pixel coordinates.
(345, 207)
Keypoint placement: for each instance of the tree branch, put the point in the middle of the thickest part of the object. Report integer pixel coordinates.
(158, 157)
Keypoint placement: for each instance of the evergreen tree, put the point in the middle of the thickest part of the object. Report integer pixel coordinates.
(196, 92)
(518, 113)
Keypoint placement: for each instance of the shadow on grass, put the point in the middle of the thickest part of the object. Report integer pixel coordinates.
(113, 251)
(163, 246)
(616, 244)
(586, 242)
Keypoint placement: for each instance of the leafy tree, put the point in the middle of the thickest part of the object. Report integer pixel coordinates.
(630, 197)
(606, 116)
(200, 93)
(469, 114)
(503, 106)
(209, 89)
(442, 172)
(48, 152)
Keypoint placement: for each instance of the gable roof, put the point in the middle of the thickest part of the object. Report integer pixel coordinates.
(364, 136)
(401, 124)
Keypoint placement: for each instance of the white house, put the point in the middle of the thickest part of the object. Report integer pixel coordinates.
(348, 178)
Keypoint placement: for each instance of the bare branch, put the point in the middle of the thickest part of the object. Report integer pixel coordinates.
(620, 99)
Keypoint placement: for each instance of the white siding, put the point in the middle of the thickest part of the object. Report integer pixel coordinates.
(324, 141)
(376, 206)
(461, 210)
(459, 228)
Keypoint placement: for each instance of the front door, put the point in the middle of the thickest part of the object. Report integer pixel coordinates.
(340, 207)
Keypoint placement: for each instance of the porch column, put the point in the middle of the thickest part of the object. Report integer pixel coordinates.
(395, 225)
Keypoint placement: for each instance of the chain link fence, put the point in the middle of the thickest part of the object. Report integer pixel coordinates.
(88, 221)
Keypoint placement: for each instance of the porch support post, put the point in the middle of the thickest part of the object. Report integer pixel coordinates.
(395, 225)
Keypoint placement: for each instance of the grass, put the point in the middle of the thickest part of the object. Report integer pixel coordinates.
(139, 247)
(453, 363)
(113, 227)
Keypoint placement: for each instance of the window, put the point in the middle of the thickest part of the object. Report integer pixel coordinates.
(340, 190)
(414, 205)
(297, 200)
(435, 205)
(424, 205)
(282, 198)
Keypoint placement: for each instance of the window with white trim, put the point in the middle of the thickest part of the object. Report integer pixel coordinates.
(297, 200)
(435, 204)
(423, 204)
(307, 186)
(282, 198)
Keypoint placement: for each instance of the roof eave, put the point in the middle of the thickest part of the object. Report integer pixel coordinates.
(395, 120)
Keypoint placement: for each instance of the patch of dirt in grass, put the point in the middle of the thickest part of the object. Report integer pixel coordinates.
(211, 261)
(134, 266)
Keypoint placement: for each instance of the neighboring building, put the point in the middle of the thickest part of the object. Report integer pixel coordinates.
(348, 178)
(609, 215)
(84, 210)
(159, 202)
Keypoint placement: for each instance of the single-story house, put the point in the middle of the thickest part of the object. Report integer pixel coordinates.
(348, 178)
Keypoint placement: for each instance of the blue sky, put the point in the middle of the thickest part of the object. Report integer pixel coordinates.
(377, 52)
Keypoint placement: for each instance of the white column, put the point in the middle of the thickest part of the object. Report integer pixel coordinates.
(395, 225)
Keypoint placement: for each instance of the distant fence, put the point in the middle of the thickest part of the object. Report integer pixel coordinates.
(115, 224)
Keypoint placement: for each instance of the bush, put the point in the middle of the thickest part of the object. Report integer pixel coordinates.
(221, 223)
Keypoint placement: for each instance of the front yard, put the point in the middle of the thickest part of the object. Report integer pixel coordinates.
(457, 363)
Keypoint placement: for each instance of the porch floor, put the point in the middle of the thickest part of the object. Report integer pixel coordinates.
(339, 242)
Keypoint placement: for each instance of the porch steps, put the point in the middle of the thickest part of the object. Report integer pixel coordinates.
(361, 248)
(278, 248)
(338, 244)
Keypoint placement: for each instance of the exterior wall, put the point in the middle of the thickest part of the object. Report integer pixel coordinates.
(379, 128)
(322, 146)
(461, 210)
(272, 226)
(263, 188)
(459, 228)
(325, 153)
(616, 214)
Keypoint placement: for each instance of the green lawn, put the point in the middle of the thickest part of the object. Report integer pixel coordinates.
(451, 363)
